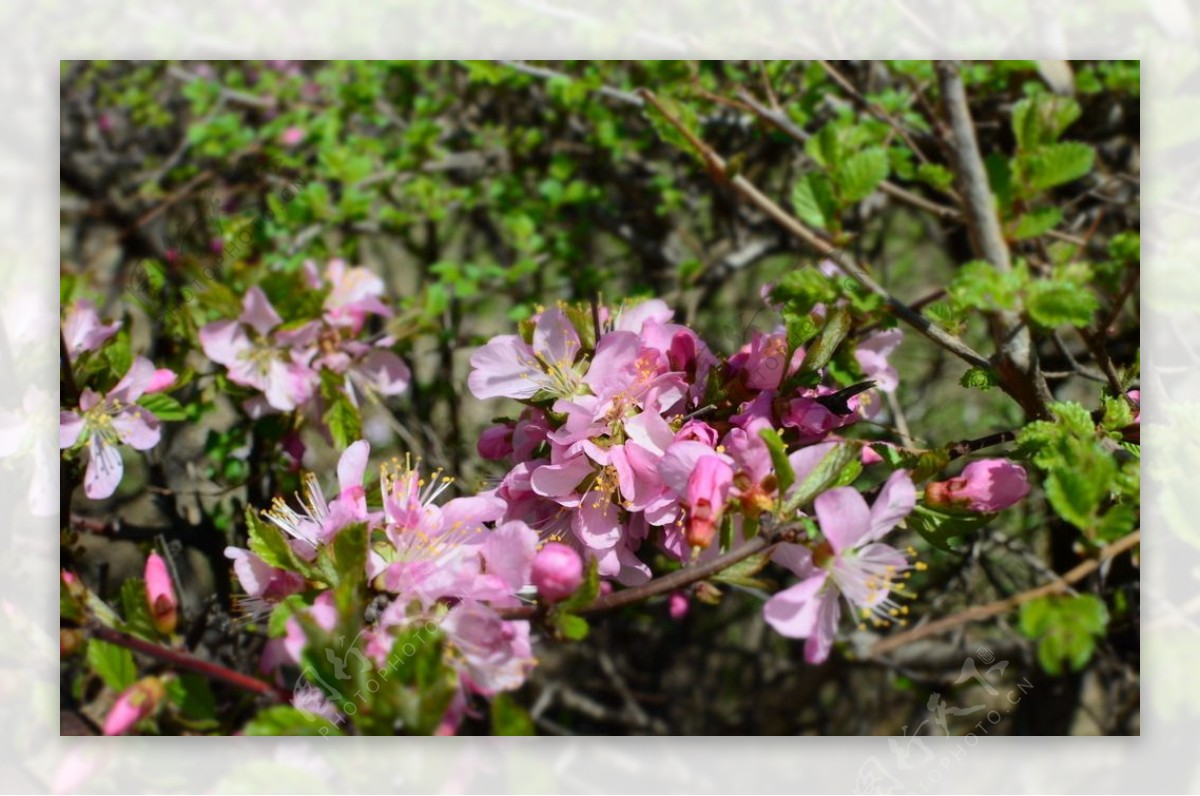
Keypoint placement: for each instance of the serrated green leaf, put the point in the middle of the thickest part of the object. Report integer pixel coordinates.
(287, 720)
(941, 528)
(813, 201)
(935, 175)
(163, 406)
(1055, 164)
(1036, 222)
(822, 477)
(1052, 303)
(783, 468)
(114, 665)
(979, 379)
(136, 609)
(860, 174)
(269, 543)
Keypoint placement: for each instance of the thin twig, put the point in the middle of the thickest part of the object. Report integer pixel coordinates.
(980, 612)
(752, 194)
(182, 660)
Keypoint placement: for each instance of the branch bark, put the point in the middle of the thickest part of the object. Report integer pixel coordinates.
(980, 612)
(1020, 374)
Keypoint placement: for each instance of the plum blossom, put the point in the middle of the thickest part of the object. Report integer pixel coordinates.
(851, 563)
(103, 422)
(508, 367)
(160, 594)
(259, 355)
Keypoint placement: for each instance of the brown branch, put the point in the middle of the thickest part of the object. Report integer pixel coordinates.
(756, 197)
(190, 663)
(980, 612)
(1020, 374)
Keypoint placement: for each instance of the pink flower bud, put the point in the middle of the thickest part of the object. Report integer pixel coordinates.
(557, 571)
(292, 136)
(161, 594)
(707, 490)
(988, 485)
(161, 380)
(677, 605)
(134, 704)
(495, 443)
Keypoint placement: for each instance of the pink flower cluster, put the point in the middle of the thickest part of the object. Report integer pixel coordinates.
(453, 564)
(647, 435)
(284, 361)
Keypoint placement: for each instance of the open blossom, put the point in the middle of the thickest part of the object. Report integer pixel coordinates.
(82, 330)
(508, 367)
(258, 356)
(987, 485)
(160, 594)
(355, 292)
(851, 564)
(103, 422)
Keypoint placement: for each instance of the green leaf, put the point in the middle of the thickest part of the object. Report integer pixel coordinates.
(783, 468)
(572, 627)
(509, 718)
(342, 416)
(287, 720)
(345, 558)
(269, 543)
(941, 528)
(1054, 302)
(860, 174)
(163, 406)
(837, 326)
(114, 665)
(936, 176)
(813, 201)
(190, 693)
(977, 285)
(1036, 222)
(1065, 627)
(1055, 164)
(822, 477)
(136, 608)
(1042, 119)
(742, 573)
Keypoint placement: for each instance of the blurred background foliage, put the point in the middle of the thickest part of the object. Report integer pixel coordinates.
(481, 191)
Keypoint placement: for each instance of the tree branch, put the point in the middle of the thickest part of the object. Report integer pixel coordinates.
(752, 194)
(980, 612)
(1020, 374)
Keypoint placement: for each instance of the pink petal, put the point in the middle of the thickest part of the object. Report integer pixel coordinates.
(134, 384)
(509, 552)
(895, 502)
(633, 318)
(651, 431)
(223, 341)
(679, 462)
(161, 380)
(505, 368)
(560, 480)
(137, 427)
(70, 426)
(797, 558)
(817, 648)
(104, 470)
(555, 338)
(386, 373)
(598, 523)
(252, 572)
(793, 612)
(257, 311)
(612, 366)
(352, 465)
(844, 517)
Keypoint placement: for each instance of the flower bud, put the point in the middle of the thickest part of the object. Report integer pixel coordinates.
(707, 489)
(496, 442)
(557, 571)
(988, 485)
(134, 704)
(677, 605)
(161, 380)
(161, 594)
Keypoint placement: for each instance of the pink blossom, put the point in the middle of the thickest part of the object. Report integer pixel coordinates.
(496, 442)
(257, 358)
(557, 571)
(677, 605)
(987, 485)
(103, 422)
(82, 330)
(851, 563)
(707, 490)
(496, 655)
(511, 368)
(872, 355)
(134, 704)
(160, 594)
